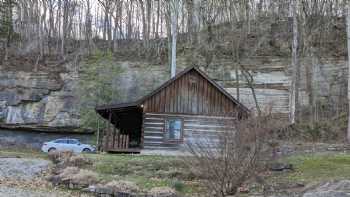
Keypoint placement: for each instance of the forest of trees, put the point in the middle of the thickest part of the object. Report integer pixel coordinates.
(49, 27)
(62, 29)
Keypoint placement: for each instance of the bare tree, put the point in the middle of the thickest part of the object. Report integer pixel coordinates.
(250, 81)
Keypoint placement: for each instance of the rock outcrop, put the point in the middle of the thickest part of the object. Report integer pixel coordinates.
(48, 100)
(42, 100)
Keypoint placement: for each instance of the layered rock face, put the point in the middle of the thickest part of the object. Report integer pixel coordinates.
(42, 100)
(49, 101)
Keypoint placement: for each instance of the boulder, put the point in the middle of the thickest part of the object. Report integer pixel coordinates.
(280, 166)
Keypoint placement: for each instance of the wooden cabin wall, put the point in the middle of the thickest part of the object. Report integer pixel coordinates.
(190, 94)
(195, 127)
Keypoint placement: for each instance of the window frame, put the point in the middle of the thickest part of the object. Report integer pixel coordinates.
(166, 122)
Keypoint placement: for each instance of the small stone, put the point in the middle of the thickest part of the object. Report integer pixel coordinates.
(281, 167)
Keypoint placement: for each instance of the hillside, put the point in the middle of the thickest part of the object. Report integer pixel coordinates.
(47, 95)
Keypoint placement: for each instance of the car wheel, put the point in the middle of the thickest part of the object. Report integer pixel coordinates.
(51, 150)
(86, 150)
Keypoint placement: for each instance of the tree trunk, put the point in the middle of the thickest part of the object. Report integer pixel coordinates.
(174, 14)
(348, 42)
(88, 26)
(190, 7)
(64, 26)
(158, 16)
(294, 93)
(144, 24)
(149, 15)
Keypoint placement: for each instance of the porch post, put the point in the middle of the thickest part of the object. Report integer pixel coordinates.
(114, 134)
(106, 143)
(98, 135)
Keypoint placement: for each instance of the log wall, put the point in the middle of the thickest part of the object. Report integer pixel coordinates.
(195, 128)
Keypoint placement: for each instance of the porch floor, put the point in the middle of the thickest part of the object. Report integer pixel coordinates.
(127, 150)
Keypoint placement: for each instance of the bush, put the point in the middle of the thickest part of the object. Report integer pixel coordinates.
(67, 158)
(226, 162)
(78, 161)
(59, 156)
(178, 186)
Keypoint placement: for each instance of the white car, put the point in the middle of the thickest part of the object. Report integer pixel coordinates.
(67, 145)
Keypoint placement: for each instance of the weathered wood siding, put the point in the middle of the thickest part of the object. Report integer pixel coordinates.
(196, 127)
(190, 94)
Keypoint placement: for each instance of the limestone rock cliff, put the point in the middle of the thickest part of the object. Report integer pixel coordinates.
(42, 100)
(48, 100)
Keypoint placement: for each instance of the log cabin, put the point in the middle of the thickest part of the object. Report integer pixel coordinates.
(187, 107)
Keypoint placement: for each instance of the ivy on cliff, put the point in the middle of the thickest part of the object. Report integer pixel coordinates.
(96, 85)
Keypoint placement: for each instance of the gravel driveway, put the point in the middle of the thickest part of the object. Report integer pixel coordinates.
(23, 171)
(6, 191)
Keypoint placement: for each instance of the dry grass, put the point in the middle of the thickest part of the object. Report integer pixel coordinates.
(79, 161)
(60, 156)
(79, 176)
(162, 191)
(85, 177)
(123, 186)
(66, 173)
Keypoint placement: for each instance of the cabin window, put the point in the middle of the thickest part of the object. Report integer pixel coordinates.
(173, 129)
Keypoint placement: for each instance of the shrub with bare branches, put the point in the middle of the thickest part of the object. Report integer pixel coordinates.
(68, 158)
(225, 162)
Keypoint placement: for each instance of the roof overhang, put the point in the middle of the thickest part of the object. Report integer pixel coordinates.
(120, 106)
(106, 110)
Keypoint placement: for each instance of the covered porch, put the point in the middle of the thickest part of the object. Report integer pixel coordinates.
(123, 133)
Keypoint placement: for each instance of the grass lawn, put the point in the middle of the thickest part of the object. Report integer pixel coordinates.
(146, 171)
(316, 168)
